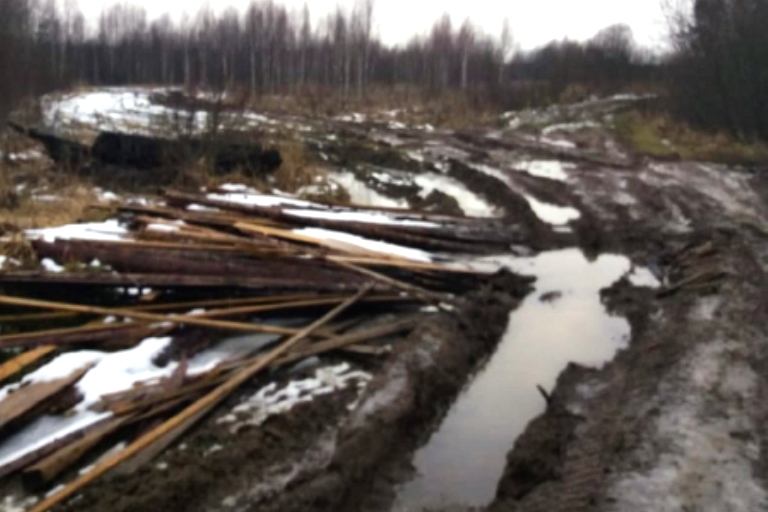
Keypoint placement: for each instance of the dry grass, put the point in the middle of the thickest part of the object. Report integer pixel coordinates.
(69, 204)
(660, 136)
(414, 105)
(33, 193)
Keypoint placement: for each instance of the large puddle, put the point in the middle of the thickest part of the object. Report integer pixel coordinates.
(562, 321)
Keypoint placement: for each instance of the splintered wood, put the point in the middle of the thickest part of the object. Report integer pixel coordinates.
(297, 280)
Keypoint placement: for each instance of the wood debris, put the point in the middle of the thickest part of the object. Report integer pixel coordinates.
(196, 271)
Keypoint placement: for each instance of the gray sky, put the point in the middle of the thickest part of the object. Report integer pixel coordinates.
(534, 22)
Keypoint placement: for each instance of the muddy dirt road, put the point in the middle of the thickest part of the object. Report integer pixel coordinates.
(619, 363)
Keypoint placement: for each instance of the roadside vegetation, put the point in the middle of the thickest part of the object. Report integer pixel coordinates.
(665, 137)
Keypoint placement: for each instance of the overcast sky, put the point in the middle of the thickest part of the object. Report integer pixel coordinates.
(534, 22)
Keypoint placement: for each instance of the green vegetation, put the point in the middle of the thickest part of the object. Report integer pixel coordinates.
(663, 137)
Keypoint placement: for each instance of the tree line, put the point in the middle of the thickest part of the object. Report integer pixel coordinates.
(719, 72)
(268, 48)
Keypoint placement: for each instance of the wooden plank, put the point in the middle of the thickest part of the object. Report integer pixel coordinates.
(35, 477)
(244, 301)
(22, 361)
(150, 280)
(176, 426)
(24, 400)
(91, 333)
(141, 315)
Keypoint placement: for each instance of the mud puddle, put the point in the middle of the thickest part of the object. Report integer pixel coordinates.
(562, 321)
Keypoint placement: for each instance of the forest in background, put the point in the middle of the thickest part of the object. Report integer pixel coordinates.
(716, 76)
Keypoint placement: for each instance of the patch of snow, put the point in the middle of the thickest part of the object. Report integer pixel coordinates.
(362, 195)
(265, 200)
(552, 214)
(112, 372)
(492, 172)
(360, 216)
(14, 504)
(550, 169)
(25, 156)
(558, 143)
(569, 127)
(201, 208)
(106, 196)
(402, 180)
(352, 118)
(367, 244)
(109, 231)
(642, 277)
(471, 204)
(270, 400)
(415, 155)
(51, 266)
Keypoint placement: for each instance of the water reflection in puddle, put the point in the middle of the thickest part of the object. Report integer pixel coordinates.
(562, 321)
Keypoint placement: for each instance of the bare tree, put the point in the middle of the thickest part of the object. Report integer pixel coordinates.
(505, 47)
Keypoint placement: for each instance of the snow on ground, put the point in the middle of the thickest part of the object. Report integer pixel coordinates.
(352, 118)
(558, 143)
(23, 156)
(112, 372)
(270, 400)
(108, 231)
(51, 266)
(367, 244)
(360, 216)
(362, 195)
(471, 204)
(643, 278)
(131, 110)
(552, 214)
(569, 127)
(265, 200)
(116, 109)
(550, 169)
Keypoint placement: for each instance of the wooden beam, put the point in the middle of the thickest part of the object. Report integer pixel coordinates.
(151, 317)
(22, 361)
(24, 400)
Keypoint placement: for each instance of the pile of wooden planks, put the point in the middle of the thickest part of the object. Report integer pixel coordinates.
(318, 279)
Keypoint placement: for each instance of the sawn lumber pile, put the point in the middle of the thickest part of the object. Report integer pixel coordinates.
(199, 268)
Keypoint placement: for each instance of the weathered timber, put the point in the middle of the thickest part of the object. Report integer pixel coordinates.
(22, 361)
(151, 317)
(37, 476)
(147, 260)
(433, 238)
(18, 404)
(84, 334)
(263, 284)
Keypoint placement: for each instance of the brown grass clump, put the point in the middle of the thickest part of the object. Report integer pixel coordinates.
(661, 136)
(17, 247)
(297, 170)
(68, 205)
